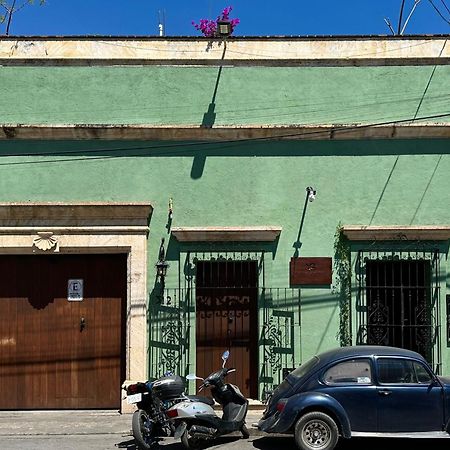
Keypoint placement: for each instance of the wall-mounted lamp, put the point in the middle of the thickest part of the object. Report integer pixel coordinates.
(162, 265)
(311, 193)
(223, 28)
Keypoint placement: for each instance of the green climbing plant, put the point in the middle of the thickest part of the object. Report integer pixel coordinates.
(342, 268)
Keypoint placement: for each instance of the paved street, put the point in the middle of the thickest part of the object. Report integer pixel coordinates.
(75, 430)
(115, 441)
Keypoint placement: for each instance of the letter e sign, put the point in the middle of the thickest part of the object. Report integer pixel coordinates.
(75, 290)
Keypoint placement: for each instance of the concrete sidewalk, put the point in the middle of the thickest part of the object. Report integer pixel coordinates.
(54, 423)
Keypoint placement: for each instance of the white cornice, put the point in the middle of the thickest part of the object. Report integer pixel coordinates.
(253, 51)
(226, 234)
(80, 217)
(397, 232)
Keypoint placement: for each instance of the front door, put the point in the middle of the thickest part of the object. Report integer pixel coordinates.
(226, 301)
(59, 353)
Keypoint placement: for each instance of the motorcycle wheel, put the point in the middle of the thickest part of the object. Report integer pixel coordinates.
(189, 442)
(143, 429)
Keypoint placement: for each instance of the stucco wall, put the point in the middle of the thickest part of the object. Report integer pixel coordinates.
(366, 182)
(165, 95)
(359, 182)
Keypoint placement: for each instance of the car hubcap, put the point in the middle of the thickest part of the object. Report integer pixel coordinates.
(316, 434)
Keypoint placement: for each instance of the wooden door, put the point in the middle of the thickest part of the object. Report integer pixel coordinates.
(56, 353)
(226, 319)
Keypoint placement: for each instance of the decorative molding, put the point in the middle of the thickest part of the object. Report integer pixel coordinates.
(226, 234)
(74, 215)
(46, 240)
(397, 232)
(183, 132)
(85, 228)
(281, 50)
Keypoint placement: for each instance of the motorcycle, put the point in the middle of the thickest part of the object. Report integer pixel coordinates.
(152, 399)
(150, 422)
(196, 422)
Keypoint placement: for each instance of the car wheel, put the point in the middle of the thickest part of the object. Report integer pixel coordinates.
(316, 431)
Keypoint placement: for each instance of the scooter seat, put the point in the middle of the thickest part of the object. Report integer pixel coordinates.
(200, 398)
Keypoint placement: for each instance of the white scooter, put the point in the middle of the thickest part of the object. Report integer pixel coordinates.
(196, 422)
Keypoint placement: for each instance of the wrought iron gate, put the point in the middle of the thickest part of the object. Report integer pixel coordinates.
(172, 323)
(398, 301)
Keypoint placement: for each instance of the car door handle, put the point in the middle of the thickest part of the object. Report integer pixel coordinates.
(384, 392)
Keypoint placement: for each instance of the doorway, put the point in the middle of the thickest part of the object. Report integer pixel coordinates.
(58, 351)
(226, 319)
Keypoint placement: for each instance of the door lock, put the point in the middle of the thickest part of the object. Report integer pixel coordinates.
(82, 324)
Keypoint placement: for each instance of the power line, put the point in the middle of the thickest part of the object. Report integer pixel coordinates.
(439, 12)
(445, 6)
(230, 142)
(429, 81)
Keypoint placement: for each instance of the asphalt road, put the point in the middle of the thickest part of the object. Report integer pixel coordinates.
(116, 441)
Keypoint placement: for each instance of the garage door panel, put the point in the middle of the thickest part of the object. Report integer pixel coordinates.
(46, 359)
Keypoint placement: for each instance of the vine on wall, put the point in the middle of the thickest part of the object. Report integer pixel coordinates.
(342, 268)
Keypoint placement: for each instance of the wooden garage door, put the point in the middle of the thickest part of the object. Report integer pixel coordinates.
(56, 353)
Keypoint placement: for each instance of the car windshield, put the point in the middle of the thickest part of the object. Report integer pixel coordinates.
(303, 369)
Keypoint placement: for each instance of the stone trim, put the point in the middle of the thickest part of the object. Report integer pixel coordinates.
(309, 50)
(226, 234)
(397, 232)
(23, 226)
(430, 130)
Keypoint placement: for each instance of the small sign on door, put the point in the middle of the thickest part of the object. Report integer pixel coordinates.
(75, 290)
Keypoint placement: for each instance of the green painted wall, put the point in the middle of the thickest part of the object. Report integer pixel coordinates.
(254, 183)
(245, 95)
(359, 182)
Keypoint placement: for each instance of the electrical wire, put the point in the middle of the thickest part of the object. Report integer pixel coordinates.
(222, 143)
(445, 6)
(439, 12)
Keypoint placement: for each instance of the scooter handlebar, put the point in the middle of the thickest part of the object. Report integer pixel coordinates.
(216, 378)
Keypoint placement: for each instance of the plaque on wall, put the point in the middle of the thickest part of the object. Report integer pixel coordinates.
(310, 271)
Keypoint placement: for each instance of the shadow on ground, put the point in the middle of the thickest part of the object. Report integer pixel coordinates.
(287, 443)
(171, 444)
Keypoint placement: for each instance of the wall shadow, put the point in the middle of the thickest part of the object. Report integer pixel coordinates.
(245, 148)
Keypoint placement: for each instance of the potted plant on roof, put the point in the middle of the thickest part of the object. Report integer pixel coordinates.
(223, 26)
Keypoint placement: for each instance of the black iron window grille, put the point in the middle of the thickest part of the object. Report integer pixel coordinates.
(397, 301)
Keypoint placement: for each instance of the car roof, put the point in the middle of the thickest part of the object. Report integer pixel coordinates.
(365, 350)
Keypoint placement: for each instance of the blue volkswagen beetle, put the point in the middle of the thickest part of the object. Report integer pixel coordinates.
(359, 391)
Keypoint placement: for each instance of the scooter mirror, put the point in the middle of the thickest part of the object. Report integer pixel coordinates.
(225, 356)
(191, 376)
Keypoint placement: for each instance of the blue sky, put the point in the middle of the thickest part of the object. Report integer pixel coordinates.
(258, 18)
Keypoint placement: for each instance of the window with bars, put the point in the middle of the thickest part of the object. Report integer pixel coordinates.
(397, 301)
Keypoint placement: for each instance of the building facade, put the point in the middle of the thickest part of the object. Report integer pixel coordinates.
(294, 191)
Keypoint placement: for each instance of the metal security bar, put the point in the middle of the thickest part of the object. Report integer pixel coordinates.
(398, 301)
(173, 323)
(280, 329)
(170, 333)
